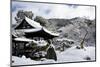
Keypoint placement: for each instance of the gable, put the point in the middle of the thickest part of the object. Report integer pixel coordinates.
(24, 25)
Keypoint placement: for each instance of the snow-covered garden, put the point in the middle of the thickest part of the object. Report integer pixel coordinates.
(69, 55)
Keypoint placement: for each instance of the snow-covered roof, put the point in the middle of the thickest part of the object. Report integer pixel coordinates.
(29, 30)
(24, 39)
(14, 34)
(33, 23)
(37, 27)
(49, 32)
(39, 43)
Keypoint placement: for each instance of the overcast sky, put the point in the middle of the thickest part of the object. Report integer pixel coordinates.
(54, 10)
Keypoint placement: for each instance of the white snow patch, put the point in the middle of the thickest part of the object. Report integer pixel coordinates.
(61, 39)
(25, 39)
(33, 23)
(27, 61)
(41, 43)
(73, 54)
(55, 34)
(29, 30)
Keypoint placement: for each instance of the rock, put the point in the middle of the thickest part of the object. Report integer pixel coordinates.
(77, 47)
(87, 58)
(51, 54)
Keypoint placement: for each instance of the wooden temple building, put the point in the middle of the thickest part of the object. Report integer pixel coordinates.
(28, 31)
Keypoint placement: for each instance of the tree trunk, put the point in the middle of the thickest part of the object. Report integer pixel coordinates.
(82, 43)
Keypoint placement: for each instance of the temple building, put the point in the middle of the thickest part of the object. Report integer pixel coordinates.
(32, 29)
(29, 31)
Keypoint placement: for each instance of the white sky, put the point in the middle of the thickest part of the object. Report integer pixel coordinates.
(54, 10)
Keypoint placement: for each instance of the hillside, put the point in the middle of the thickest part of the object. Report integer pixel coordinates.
(75, 29)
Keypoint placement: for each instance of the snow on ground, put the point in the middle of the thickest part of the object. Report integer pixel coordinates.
(69, 55)
(27, 61)
(73, 54)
